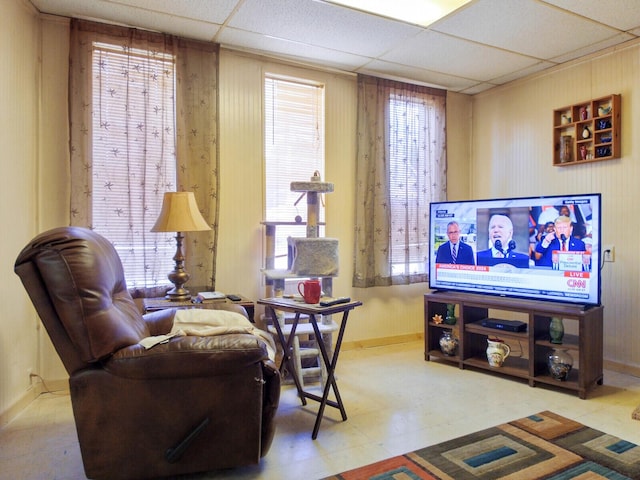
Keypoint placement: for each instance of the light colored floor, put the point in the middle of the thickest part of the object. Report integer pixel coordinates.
(396, 402)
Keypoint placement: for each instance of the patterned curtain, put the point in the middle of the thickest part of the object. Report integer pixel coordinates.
(400, 169)
(151, 151)
(197, 148)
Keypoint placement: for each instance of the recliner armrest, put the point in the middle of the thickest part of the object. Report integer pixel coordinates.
(160, 322)
(188, 356)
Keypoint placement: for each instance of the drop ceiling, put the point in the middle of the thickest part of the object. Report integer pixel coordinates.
(483, 44)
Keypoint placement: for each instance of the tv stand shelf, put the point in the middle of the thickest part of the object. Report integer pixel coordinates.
(585, 346)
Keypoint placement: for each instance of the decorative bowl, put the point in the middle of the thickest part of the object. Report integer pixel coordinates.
(604, 111)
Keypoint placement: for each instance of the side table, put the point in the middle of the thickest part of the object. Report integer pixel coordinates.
(160, 303)
(312, 310)
(306, 329)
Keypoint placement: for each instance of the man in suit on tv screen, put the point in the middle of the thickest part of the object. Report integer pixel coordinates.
(455, 251)
(561, 239)
(501, 245)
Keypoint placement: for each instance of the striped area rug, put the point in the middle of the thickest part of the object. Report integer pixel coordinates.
(541, 446)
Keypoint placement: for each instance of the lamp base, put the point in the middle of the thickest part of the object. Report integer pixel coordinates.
(178, 294)
(178, 276)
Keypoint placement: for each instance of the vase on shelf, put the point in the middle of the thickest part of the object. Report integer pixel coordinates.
(560, 363)
(583, 152)
(556, 330)
(497, 352)
(450, 318)
(584, 113)
(566, 145)
(448, 343)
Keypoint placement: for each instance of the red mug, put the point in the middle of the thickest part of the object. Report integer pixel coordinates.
(310, 290)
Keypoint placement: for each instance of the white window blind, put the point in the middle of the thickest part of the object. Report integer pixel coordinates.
(133, 156)
(294, 150)
(409, 171)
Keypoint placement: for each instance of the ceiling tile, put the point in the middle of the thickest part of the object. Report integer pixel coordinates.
(201, 10)
(594, 47)
(119, 13)
(531, 28)
(322, 25)
(538, 67)
(425, 77)
(621, 14)
(436, 51)
(478, 88)
(249, 41)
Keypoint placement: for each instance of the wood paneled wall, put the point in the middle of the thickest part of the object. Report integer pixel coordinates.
(512, 156)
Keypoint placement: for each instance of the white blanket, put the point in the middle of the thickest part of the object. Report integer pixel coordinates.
(203, 323)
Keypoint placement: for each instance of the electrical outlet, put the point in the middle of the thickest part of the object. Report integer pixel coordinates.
(30, 374)
(608, 251)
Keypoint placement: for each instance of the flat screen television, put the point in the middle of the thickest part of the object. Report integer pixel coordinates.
(545, 248)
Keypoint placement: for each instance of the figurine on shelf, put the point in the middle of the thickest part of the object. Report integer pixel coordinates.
(437, 319)
(583, 152)
(584, 113)
(602, 110)
(586, 133)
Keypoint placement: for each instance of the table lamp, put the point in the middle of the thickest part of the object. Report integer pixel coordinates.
(179, 214)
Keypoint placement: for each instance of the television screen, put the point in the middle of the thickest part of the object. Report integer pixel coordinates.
(544, 248)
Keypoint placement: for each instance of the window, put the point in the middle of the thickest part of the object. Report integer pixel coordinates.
(400, 169)
(294, 150)
(408, 186)
(129, 143)
(133, 156)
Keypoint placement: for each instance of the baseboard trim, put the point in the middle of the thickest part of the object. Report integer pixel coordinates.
(621, 368)
(33, 392)
(382, 341)
(22, 403)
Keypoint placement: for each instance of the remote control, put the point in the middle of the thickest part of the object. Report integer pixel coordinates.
(334, 301)
(234, 298)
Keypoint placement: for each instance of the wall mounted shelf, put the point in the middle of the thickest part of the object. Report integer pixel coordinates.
(587, 132)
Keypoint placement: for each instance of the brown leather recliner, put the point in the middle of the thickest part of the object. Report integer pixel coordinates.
(193, 404)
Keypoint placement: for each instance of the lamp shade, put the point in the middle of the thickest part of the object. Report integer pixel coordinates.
(180, 214)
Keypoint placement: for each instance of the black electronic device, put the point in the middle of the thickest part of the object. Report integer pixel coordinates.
(506, 325)
(234, 298)
(330, 302)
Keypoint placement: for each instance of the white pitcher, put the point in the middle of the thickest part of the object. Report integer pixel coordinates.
(497, 352)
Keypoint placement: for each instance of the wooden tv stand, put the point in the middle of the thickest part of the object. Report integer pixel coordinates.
(585, 347)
